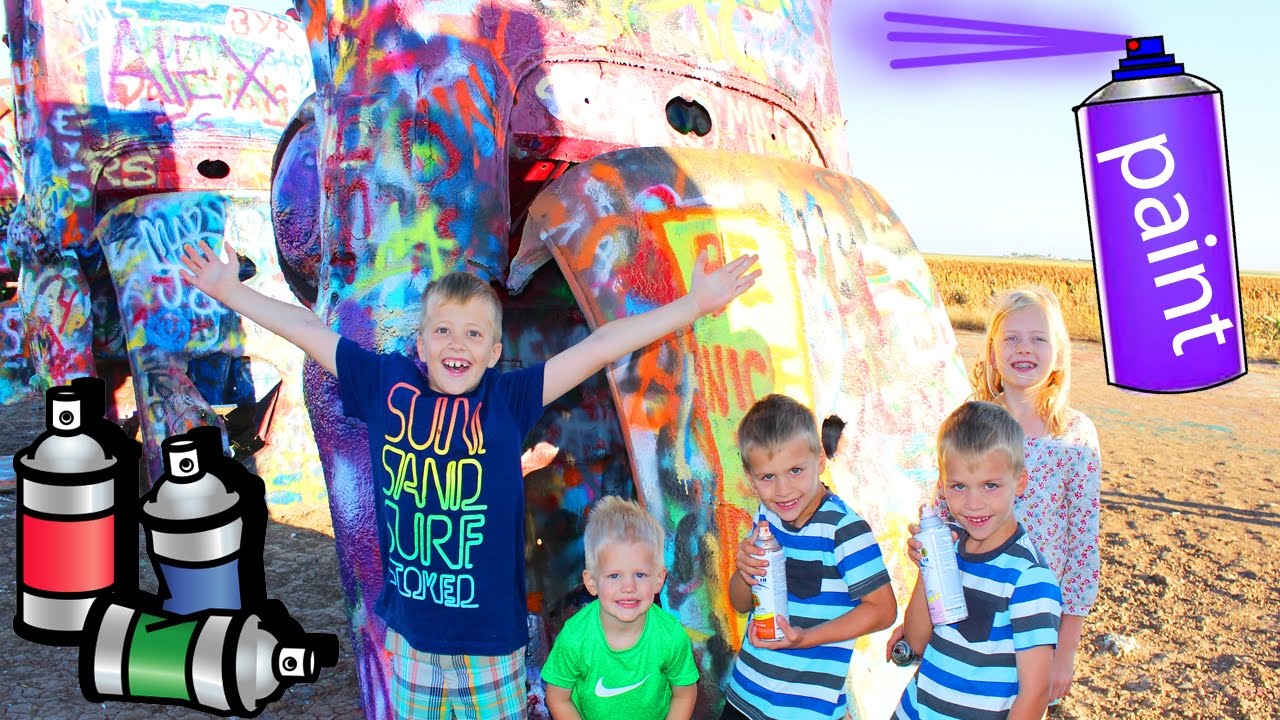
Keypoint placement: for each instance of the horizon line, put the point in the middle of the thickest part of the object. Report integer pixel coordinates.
(1031, 257)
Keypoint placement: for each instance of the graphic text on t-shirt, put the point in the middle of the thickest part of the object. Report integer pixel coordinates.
(432, 538)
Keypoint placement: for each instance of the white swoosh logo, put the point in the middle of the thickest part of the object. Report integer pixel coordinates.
(604, 692)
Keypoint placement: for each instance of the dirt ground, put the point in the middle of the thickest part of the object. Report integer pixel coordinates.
(1186, 625)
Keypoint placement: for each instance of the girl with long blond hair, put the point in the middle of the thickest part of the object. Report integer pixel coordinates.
(1026, 367)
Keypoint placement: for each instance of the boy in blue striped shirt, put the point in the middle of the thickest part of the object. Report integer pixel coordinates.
(995, 664)
(837, 587)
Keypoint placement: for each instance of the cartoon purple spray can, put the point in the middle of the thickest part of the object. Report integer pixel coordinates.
(1153, 150)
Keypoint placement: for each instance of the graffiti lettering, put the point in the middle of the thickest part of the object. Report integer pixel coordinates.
(763, 128)
(67, 139)
(196, 74)
(132, 172)
(194, 43)
(245, 22)
(164, 236)
(250, 73)
(11, 331)
(723, 370)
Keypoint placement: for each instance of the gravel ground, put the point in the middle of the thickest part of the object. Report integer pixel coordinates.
(1185, 626)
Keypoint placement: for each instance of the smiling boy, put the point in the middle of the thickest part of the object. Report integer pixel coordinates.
(837, 586)
(621, 656)
(453, 562)
(993, 665)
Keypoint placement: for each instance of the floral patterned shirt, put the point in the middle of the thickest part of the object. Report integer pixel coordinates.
(1061, 505)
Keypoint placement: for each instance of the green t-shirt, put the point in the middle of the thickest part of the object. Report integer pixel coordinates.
(635, 683)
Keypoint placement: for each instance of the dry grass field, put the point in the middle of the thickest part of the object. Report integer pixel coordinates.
(968, 284)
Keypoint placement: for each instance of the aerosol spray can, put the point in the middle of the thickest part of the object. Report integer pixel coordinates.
(127, 452)
(230, 663)
(1154, 155)
(193, 526)
(770, 590)
(902, 654)
(943, 588)
(66, 554)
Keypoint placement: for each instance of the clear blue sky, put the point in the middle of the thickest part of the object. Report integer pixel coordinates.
(982, 159)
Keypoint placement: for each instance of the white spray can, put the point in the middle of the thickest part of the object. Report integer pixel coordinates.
(770, 590)
(943, 588)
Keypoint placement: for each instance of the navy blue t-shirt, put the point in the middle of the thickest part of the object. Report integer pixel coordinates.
(450, 499)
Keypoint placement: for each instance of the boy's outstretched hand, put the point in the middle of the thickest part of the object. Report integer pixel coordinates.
(712, 291)
(206, 270)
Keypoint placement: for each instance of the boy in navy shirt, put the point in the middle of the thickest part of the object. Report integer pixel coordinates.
(448, 438)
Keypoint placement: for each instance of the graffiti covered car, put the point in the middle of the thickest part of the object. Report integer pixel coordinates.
(581, 155)
(145, 126)
(15, 368)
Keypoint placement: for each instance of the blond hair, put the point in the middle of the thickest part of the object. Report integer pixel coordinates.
(977, 428)
(774, 420)
(1053, 398)
(461, 287)
(616, 520)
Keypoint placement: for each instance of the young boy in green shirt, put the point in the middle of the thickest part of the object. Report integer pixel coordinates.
(620, 656)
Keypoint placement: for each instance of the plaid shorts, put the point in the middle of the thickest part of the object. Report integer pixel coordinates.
(428, 686)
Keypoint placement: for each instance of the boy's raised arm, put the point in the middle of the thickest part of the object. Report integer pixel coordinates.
(709, 293)
(220, 280)
(1033, 683)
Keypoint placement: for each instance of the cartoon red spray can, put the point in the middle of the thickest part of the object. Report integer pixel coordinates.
(66, 524)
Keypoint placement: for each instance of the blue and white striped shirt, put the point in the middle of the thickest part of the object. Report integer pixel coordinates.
(832, 562)
(969, 670)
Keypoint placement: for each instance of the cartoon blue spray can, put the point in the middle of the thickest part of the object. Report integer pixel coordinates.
(193, 524)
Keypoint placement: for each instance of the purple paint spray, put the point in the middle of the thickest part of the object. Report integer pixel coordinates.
(1153, 150)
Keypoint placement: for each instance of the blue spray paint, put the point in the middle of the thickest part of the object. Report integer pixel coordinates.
(193, 521)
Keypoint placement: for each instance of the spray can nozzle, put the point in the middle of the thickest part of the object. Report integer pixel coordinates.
(1145, 57)
(64, 410)
(302, 662)
(181, 459)
(762, 526)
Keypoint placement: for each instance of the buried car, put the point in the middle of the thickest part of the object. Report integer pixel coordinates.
(580, 156)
